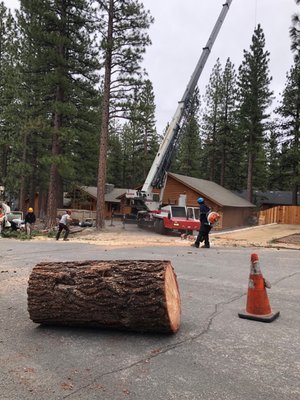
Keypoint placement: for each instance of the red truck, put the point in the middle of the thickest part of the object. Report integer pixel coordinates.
(170, 219)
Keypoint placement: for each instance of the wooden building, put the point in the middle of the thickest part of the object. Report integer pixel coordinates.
(234, 210)
(85, 198)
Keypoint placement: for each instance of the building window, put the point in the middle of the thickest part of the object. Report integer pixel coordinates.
(156, 197)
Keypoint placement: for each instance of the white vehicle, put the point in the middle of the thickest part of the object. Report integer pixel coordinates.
(9, 219)
(5, 210)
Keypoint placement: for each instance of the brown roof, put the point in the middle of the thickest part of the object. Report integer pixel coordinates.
(212, 191)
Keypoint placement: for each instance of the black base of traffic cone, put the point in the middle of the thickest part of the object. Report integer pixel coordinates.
(261, 318)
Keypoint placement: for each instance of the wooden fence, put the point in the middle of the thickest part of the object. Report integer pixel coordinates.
(280, 215)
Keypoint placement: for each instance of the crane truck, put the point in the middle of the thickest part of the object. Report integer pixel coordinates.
(148, 209)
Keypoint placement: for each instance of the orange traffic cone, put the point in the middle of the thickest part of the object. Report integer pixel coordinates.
(258, 306)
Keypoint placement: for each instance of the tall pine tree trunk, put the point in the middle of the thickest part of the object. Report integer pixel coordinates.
(42, 204)
(3, 163)
(33, 183)
(52, 189)
(102, 165)
(250, 176)
(223, 166)
(225, 135)
(146, 156)
(22, 193)
(296, 165)
(212, 166)
(54, 174)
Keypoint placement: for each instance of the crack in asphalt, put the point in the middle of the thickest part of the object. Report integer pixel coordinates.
(191, 338)
(217, 311)
(286, 277)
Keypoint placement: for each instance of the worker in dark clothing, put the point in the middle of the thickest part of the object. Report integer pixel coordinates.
(29, 221)
(205, 226)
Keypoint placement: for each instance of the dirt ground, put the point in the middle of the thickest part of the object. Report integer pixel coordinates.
(272, 235)
(129, 235)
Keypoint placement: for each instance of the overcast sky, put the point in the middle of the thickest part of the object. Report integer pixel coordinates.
(182, 28)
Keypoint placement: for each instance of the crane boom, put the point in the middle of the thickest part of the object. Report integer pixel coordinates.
(161, 163)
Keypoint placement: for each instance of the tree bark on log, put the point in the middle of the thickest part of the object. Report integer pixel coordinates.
(136, 295)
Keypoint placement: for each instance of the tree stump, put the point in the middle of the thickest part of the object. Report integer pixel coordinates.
(138, 295)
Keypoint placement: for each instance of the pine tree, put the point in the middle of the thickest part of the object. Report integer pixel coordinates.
(229, 142)
(211, 122)
(295, 35)
(187, 160)
(115, 162)
(139, 137)
(290, 111)
(132, 147)
(275, 174)
(146, 119)
(123, 47)
(223, 155)
(9, 116)
(255, 97)
(59, 67)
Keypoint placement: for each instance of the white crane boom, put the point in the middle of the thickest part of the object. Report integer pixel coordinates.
(161, 163)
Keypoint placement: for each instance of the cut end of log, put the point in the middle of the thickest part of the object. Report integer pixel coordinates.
(172, 299)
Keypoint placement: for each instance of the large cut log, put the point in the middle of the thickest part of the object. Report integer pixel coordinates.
(139, 295)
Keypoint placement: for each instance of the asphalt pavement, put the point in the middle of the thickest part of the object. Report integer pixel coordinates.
(214, 356)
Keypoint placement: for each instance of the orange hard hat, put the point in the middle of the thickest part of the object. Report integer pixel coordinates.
(30, 209)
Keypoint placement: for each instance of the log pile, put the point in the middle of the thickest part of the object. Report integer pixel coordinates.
(138, 295)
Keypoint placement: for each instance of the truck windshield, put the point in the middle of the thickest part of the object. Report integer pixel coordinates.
(178, 212)
(197, 213)
(190, 212)
(193, 212)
